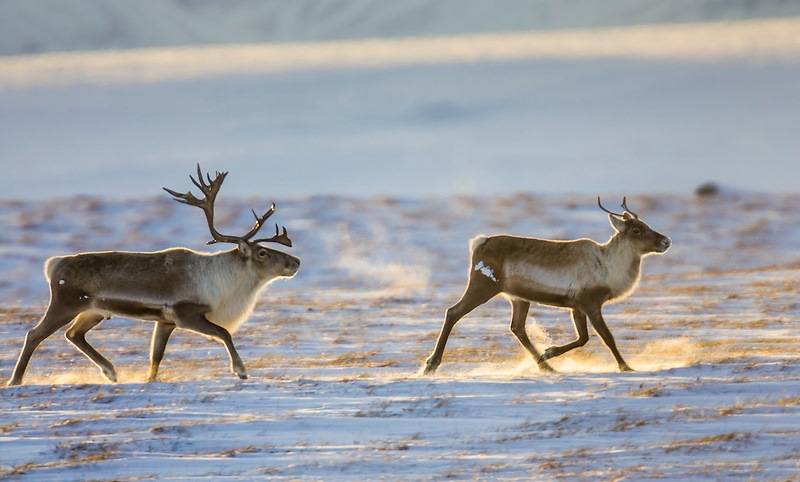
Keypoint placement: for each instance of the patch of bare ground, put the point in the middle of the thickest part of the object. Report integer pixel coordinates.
(493, 468)
(643, 391)
(393, 446)
(169, 430)
(625, 423)
(21, 314)
(483, 353)
(789, 402)
(735, 349)
(269, 361)
(427, 406)
(726, 441)
(70, 455)
(249, 449)
(355, 359)
(587, 464)
(692, 290)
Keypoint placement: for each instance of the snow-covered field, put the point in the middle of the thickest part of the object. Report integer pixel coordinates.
(334, 393)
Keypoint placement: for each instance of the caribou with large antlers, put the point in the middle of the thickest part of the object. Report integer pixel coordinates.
(580, 275)
(208, 293)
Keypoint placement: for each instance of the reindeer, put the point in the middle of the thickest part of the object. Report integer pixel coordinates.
(208, 293)
(580, 275)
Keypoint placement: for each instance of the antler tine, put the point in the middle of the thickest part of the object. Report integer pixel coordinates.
(199, 184)
(184, 197)
(203, 185)
(625, 207)
(259, 221)
(599, 204)
(282, 238)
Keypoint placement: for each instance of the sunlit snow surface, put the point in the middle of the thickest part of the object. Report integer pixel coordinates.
(334, 354)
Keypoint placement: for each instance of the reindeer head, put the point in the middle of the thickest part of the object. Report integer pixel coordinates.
(266, 262)
(636, 232)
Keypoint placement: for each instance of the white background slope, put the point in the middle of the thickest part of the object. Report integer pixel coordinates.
(59, 25)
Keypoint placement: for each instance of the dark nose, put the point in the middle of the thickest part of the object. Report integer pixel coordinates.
(666, 242)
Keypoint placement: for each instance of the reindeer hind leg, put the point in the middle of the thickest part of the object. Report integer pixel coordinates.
(76, 334)
(479, 290)
(57, 316)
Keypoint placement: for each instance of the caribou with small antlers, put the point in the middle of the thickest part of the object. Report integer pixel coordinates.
(580, 275)
(208, 293)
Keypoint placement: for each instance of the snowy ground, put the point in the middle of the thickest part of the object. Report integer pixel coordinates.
(334, 353)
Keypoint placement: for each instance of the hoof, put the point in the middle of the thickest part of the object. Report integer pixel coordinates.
(13, 383)
(626, 368)
(240, 372)
(430, 368)
(549, 353)
(545, 368)
(110, 375)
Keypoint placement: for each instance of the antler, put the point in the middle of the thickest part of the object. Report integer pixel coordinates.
(282, 238)
(210, 188)
(606, 210)
(625, 207)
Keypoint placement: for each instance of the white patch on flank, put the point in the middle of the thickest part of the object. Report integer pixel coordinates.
(61, 281)
(485, 270)
(553, 280)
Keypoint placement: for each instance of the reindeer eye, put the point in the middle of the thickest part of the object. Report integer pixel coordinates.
(637, 231)
(262, 253)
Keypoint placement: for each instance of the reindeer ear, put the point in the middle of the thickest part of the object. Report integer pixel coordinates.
(627, 216)
(244, 248)
(616, 223)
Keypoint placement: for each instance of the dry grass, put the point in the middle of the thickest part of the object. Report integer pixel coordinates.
(644, 392)
(250, 449)
(789, 402)
(70, 455)
(709, 442)
(625, 423)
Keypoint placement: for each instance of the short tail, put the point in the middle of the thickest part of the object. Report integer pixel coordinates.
(50, 266)
(477, 242)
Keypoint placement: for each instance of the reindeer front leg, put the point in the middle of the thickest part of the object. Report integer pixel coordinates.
(191, 316)
(59, 313)
(599, 324)
(158, 344)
